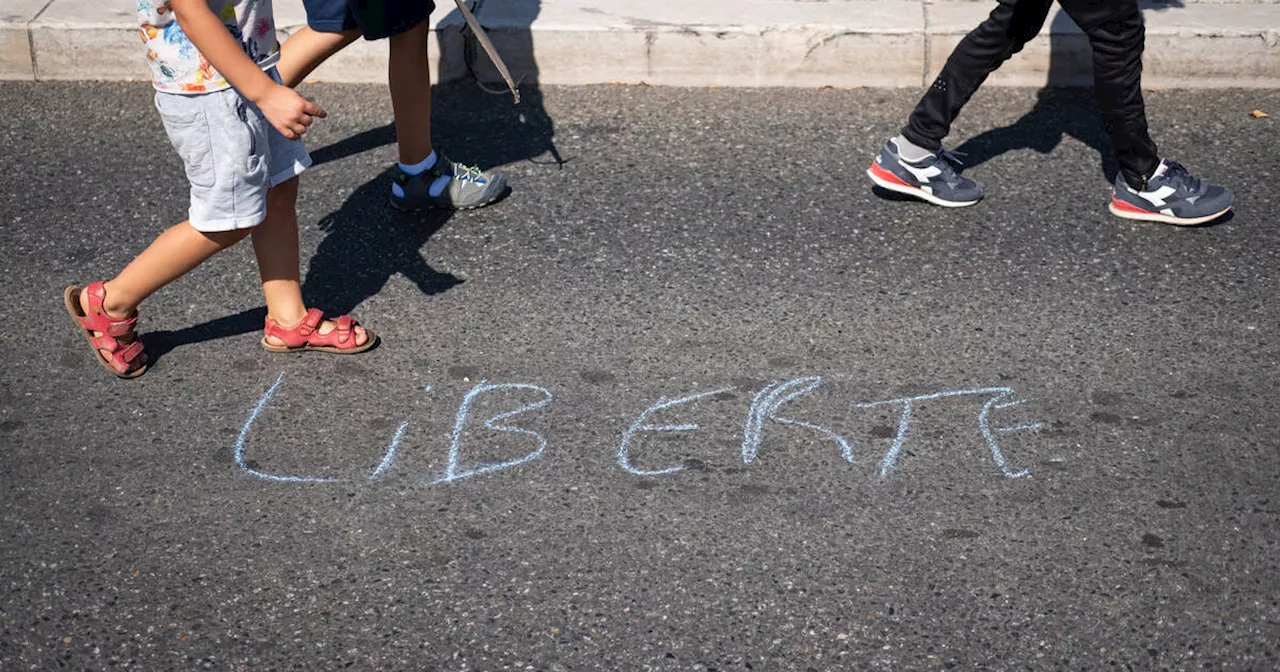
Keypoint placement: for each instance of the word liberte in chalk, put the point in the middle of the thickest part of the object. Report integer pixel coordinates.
(765, 407)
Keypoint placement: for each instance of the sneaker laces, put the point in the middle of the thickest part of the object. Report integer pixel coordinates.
(950, 161)
(952, 157)
(465, 172)
(1177, 174)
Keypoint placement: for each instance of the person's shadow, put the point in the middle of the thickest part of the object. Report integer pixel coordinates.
(1065, 107)
(473, 121)
(367, 242)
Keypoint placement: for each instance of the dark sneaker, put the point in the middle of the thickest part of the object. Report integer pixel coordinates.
(933, 179)
(468, 188)
(1172, 196)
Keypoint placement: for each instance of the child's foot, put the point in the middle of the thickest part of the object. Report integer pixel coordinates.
(342, 336)
(445, 184)
(1172, 196)
(115, 344)
(933, 178)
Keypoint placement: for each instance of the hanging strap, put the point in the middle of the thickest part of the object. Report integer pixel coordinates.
(483, 38)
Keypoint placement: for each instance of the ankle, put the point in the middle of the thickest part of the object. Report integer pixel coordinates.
(116, 303)
(419, 167)
(287, 318)
(910, 150)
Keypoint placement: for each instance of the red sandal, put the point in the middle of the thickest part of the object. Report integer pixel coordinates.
(306, 335)
(127, 359)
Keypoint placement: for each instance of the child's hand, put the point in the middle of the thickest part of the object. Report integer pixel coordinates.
(289, 112)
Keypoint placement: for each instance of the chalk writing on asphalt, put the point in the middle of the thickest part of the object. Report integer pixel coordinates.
(766, 408)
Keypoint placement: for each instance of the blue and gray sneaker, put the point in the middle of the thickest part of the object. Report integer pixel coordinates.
(1172, 196)
(933, 179)
(468, 187)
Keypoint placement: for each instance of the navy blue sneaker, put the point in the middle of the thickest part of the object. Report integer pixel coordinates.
(1172, 196)
(933, 179)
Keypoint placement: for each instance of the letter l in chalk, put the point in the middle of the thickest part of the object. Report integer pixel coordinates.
(243, 464)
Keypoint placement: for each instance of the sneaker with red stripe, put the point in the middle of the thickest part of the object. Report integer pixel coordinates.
(1171, 196)
(933, 179)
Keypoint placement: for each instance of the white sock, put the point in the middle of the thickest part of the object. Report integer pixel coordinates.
(911, 151)
(1155, 173)
(436, 188)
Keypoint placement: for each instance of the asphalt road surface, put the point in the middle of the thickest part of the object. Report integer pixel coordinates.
(693, 397)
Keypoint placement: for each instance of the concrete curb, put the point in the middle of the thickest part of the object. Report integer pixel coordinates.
(843, 43)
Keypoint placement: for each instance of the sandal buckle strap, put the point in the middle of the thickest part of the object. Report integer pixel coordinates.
(311, 322)
(122, 361)
(129, 353)
(118, 328)
(307, 334)
(105, 342)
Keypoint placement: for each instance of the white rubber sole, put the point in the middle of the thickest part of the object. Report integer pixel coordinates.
(916, 192)
(1163, 218)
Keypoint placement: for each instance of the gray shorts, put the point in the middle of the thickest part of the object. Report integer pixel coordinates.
(232, 156)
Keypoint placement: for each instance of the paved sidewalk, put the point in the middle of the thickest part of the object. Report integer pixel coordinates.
(717, 42)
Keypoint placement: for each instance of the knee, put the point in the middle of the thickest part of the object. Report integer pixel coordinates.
(1020, 35)
(1002, 39)
(1118, 44)
(1024, 28)
(1126, 31)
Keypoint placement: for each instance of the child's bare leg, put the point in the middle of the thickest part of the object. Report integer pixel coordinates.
(174, 253)
(275, 243)
(306, 49)
(410, 80)
(426, 179)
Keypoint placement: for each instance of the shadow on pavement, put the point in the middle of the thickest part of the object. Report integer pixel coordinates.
(473, 118)
(368, 240)
(160, 343)
(473, 121)
(1065, 107)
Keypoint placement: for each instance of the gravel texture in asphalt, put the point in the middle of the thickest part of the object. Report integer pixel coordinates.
(630, 417)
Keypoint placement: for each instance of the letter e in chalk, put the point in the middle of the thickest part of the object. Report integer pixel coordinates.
(624, 450)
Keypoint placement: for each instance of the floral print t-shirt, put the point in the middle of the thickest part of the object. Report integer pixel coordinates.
(178, 67)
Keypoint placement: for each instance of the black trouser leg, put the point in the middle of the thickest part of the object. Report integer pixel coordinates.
(1010, 26)
(1117, 35)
